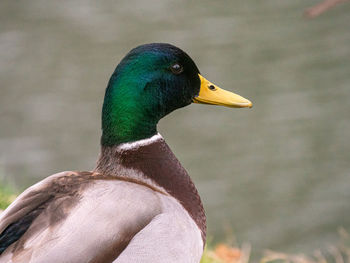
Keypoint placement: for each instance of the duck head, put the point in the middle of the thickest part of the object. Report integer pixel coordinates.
(151, 81)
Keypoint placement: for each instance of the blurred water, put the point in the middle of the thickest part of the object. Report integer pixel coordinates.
(277, 175)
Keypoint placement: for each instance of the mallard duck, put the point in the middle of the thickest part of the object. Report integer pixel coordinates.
(138, 204)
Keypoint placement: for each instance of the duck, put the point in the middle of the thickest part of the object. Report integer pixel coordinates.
(138, 204)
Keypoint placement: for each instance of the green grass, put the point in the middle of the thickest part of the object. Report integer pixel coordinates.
(6, 196)
(207, 259)
(336, 253)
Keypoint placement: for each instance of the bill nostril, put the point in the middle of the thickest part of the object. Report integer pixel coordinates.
(212, 87)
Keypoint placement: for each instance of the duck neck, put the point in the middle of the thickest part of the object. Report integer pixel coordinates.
(125, 117)
(122, 128)
(151, 161)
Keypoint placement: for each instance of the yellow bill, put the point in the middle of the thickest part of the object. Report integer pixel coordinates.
(212, 94)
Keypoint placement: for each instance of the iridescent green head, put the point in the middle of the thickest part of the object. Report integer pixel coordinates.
(150, 82)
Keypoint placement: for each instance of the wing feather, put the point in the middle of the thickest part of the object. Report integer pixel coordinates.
(63, 213)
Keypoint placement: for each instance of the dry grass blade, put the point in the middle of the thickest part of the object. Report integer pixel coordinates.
(322, 7)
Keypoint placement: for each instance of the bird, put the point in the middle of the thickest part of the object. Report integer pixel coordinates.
(138, 204)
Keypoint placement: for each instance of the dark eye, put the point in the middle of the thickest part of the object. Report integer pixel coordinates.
(176, 68)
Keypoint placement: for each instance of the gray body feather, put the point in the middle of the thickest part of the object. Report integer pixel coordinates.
(96, 218)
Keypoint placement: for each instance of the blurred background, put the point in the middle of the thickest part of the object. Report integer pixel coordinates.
(276, 176)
